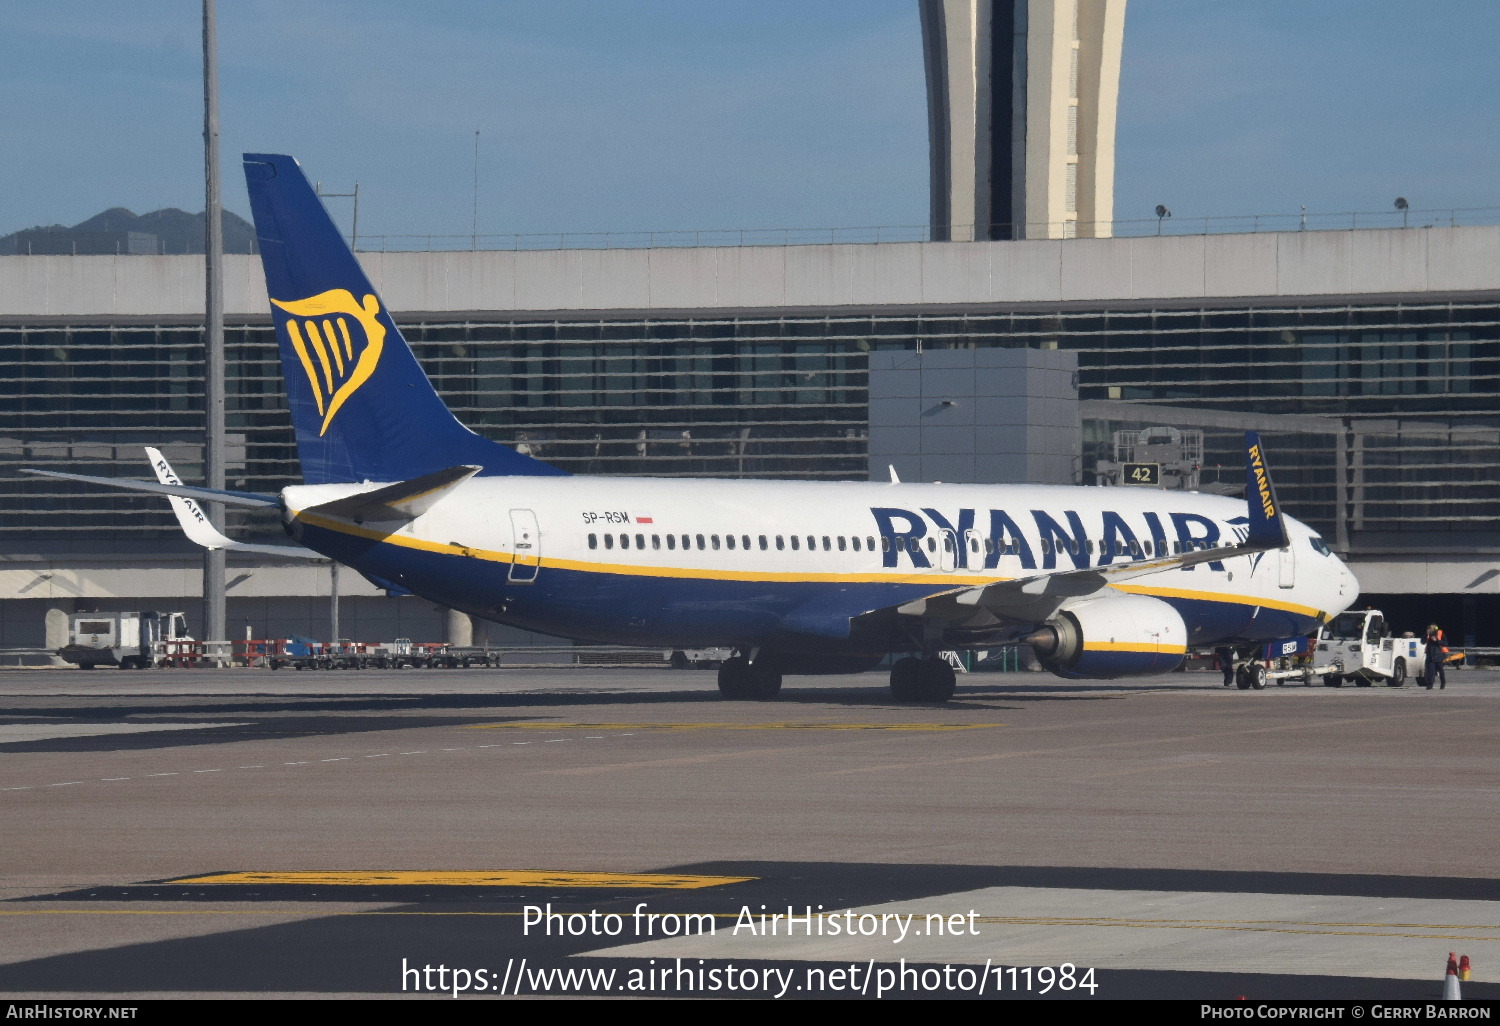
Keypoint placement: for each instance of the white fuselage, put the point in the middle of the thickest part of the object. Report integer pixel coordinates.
(648, 560)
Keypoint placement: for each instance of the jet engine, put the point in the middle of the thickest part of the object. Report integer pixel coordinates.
(1116, 636)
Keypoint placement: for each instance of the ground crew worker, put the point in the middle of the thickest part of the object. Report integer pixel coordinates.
(1225, 655)
(1437, 656)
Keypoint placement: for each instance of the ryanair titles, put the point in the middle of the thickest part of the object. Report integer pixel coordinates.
(1262, 482)
(919, 538)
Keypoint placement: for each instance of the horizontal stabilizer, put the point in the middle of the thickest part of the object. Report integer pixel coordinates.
(186, 491)
(404, 500)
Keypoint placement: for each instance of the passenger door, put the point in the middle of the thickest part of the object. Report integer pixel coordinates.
(526, 544)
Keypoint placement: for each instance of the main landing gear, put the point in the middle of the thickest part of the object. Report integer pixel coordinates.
(922, 680)
(744, 679)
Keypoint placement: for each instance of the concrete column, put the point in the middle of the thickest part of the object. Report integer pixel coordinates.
(56, 635)
(460, 629)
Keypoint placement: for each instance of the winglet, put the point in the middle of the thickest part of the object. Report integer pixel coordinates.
(1267, 529)
(195, 523)
(190, 516)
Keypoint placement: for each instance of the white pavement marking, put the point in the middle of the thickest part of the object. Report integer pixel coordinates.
(341, 758)
(17, 733)
(1314, 935)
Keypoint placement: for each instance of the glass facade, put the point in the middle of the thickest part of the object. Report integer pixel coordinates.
(786, 396)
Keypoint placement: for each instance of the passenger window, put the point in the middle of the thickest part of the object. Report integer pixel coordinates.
(931, 544)
(780, 543)
(827, 544)
(989, 546)
(687, 541)
(701, 545)
(656, 541)
(842, 546)
(1046, 546)
(885, 544)
(855, 542)
(714, 540)
(812, 543)
(624, 541)
(745, 539)
(593, 541)
(763, 545)
(672, 541)
(794, 543)
(609, 541)
(729, 541)
(640, 541)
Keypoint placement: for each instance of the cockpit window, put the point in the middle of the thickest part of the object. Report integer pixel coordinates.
(1319, 545)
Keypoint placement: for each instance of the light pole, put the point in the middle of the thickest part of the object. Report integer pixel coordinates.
(215, 627)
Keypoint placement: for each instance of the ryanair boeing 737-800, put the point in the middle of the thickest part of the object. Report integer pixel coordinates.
(799, 577)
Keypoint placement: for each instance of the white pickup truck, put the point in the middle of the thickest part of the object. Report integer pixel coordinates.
(1356, 646)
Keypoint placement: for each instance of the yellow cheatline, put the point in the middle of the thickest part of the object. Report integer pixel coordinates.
(1133, 646)
(463, 878)
(730, 726)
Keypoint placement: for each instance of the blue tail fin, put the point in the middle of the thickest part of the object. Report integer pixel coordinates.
(362, 408)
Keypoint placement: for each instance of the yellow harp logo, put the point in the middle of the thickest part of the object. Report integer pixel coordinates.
(337, 360)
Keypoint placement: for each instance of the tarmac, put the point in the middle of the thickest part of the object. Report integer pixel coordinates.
(421, 833)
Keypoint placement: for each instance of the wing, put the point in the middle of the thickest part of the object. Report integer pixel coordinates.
(1026, 601)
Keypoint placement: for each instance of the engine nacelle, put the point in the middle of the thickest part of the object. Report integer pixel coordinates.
(1117, 636)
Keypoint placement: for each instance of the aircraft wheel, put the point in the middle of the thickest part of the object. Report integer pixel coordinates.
(764, 683)
(936, 680)
(906, 679)
(1242, 678)
(1257, 677)
(1398, 674)
(734, 678)
(678, 661)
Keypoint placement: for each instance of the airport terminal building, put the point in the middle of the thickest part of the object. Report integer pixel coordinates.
(1370, 360)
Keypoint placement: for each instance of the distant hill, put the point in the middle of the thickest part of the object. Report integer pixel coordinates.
(117, 230)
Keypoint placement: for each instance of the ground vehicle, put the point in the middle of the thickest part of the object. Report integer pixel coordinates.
(1359, 645)
(681, 659)
(128, 640)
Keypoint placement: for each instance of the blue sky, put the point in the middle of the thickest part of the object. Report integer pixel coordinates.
(614, 115)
